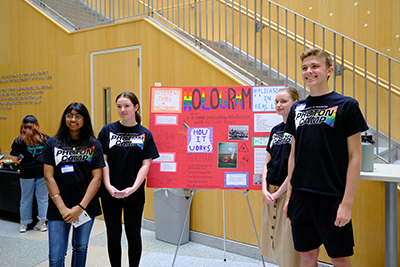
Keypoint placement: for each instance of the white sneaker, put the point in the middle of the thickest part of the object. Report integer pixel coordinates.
(41, 226)
(22, 228)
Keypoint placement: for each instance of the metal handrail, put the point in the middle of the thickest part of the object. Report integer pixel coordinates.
(300, 40)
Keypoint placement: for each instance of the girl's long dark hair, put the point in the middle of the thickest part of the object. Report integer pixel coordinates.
(30, 133)
(86, 135)
(135, 101)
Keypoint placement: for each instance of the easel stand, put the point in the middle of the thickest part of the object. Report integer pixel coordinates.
(192, 191)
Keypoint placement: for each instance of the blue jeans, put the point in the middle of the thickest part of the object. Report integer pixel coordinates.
(28, 187)
(58, 242)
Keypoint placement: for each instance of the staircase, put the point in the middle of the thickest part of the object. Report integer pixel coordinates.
(74, 14)
(382, 152)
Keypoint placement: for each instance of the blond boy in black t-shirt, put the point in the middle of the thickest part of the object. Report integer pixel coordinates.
(324, 165)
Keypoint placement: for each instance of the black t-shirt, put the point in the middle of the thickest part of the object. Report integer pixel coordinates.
(320, 126)
(73, 173)
(278, 146)
(126, 148)
(30, 166)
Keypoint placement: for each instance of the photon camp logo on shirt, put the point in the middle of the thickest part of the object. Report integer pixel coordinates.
(70, 155)
(281, 138)
(126, 140)
(314, 116)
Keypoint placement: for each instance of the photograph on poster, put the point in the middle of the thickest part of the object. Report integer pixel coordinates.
(227, 155)
(238, 132)
(257, 179)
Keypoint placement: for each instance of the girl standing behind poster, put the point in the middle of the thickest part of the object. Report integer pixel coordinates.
(30, 145)
(73, 166)
(275, 228)
(128, 150)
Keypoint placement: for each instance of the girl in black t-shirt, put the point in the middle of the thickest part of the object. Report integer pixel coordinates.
(276, 239)
(73, 164)
(30, 145)
(128, 150)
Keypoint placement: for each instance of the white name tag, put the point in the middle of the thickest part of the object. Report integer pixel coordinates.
(83, 218)
(137, 140)
(67, 168)
(300, 107)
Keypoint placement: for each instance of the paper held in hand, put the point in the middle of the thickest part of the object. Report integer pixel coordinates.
(83, 218)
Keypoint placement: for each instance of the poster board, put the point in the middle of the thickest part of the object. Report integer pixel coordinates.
(211, 137)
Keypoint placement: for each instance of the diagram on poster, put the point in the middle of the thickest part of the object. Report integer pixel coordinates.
(211, 137)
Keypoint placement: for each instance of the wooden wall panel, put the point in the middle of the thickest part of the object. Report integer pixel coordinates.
(207, 213)
(5, 44)
(239, 225)
(120, 72)
(369, 224)
(350, 18)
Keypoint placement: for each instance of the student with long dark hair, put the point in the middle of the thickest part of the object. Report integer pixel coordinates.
(30, 145)
(128, 150)
(73, 163)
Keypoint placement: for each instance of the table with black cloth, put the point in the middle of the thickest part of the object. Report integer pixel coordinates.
(10, 191)
(10, 195)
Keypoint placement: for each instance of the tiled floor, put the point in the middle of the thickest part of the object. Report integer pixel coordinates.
(31, 249)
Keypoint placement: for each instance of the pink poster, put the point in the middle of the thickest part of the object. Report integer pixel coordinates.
(211, 137)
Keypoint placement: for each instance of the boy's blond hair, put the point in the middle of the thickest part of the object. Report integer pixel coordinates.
(319, 53)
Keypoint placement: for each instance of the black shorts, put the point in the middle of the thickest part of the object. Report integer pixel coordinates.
(313, 223)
